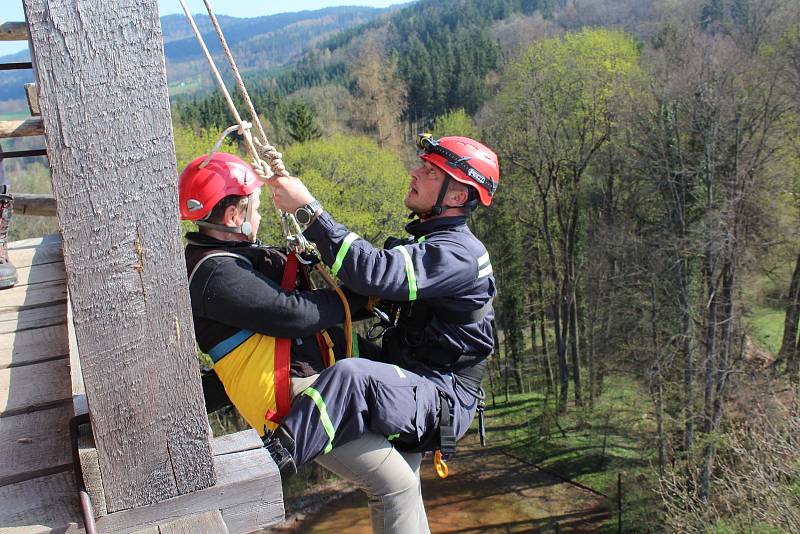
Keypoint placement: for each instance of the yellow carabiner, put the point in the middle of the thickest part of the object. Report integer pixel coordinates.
(440, 465)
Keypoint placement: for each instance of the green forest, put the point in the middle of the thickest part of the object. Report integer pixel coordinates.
(644, 235)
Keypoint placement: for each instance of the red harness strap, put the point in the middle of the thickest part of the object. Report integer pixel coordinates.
(282, 349)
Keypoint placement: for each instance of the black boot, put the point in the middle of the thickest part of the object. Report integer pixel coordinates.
(278, 444)
(8, 273)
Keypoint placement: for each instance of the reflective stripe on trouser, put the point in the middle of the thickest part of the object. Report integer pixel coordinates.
(388, 477)
(358, 395)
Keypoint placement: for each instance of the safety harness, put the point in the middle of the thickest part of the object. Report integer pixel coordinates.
(282, 353)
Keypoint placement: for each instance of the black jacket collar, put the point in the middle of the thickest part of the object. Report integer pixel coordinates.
(419, 228)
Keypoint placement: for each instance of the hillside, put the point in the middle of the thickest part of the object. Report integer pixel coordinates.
(257, 43)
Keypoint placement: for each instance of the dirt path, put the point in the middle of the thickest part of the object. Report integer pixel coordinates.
(486, 491)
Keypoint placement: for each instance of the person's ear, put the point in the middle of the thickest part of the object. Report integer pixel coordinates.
(231, 216)
(458, 197)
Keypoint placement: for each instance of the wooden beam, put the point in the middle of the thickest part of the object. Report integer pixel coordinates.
(30, 346)
(34, 444)
(13, 31)
(44, 504)
(48, 272)
(15, 321)
(248, 493)
(205, 523)
(34, 387)
(23, 297)
(35, 251)
(32, 94)
(28, 204)
(24, 128)
(105, 107)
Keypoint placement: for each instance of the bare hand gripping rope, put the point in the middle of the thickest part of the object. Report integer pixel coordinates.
(267, 161)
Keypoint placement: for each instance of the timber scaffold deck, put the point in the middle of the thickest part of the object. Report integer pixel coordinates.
(37, 485)
(41, 390)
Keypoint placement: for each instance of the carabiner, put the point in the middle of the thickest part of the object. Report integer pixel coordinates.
(440, 465)
(372, 335)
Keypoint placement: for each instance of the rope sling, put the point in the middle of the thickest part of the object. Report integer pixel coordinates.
(267, 162)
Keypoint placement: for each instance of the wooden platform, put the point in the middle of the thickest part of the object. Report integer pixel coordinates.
(40, 391)
(37, 488)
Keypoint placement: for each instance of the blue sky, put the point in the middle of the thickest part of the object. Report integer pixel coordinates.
(12, 10)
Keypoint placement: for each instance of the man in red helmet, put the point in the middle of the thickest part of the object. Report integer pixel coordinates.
(242, 314)
(423, 389)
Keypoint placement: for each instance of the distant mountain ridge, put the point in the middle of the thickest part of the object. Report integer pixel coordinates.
(257, 43)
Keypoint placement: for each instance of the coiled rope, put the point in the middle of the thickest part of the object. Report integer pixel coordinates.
(272, 162)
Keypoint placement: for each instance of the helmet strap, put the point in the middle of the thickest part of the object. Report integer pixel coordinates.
(440, 207)
(246, 227)
(227, 229)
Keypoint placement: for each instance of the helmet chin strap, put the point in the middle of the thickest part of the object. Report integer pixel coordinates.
(440, 207)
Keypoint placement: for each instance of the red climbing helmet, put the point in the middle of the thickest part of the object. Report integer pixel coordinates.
(465, 160)
(204, 183)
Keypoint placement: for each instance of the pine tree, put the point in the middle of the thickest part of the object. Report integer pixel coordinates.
(301, 123)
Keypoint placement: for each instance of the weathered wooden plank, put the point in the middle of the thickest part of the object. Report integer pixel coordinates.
(240, 441)
(248, 485)
(205, 523)
(32, 444)
(79, 402)
(27, 296)
(35, 251)
(21, 128)
(31, 387)
(90, 467)
(105, 106)
(34, 318)
(40, 505)
(28, 204)
(13, 31)
(45, 272)
(32, 94)
(29, 346)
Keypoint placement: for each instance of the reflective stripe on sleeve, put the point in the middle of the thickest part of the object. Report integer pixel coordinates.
(343, 252)
(484, 266)
(323, 416)
(410, 276)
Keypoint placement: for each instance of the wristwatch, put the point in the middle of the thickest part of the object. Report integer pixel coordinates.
(304, 214)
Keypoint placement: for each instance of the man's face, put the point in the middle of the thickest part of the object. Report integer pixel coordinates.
(426, 181)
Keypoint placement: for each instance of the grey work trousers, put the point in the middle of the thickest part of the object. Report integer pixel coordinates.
(389, 477)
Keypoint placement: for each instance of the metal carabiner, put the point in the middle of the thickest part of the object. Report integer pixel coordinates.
(385, 327)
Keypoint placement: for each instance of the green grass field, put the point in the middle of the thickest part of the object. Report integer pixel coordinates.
(766, 327)
(589, 447)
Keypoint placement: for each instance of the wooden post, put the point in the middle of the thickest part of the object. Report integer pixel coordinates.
(103, 95)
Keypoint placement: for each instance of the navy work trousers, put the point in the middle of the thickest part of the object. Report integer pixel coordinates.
(358, 395)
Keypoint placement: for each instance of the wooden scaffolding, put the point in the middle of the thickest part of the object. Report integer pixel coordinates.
(99, 327)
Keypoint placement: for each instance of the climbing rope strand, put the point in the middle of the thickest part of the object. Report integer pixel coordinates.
(274, 157)
(247, 137)
(348, 320)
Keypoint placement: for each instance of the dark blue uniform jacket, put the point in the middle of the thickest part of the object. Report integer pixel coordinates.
(442, 267)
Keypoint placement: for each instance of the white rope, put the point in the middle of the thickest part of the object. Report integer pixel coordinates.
(247, 137)
(269, 152)
(274, 159)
